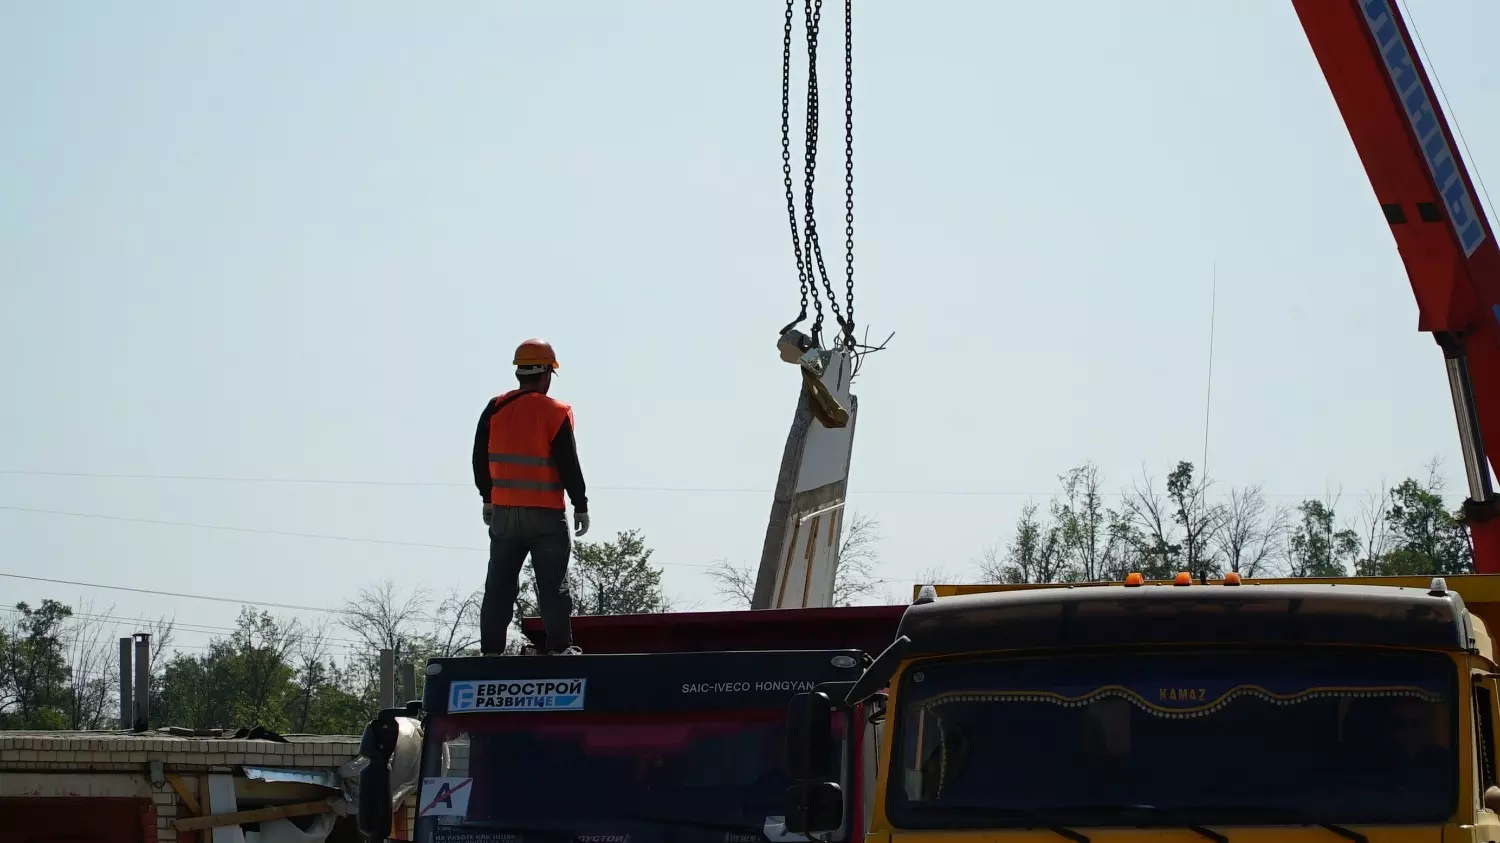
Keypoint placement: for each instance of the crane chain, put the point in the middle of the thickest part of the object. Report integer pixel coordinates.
(786, 157)
(814, 17)
(810, 264)
(849, 340)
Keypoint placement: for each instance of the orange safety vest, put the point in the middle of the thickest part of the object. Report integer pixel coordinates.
(521, 431)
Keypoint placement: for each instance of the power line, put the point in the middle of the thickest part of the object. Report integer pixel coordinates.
(258, 530)
(183, 627)
(284, 533)
(655, 489)
(159, 593)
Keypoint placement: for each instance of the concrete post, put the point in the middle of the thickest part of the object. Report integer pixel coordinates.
(142, 681)
(127, 699)
(387, 679)
(408, 683)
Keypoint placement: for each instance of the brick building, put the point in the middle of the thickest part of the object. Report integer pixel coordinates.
(156, 787)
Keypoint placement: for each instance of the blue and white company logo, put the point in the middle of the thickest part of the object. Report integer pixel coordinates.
(516, 695)
(1441, 162)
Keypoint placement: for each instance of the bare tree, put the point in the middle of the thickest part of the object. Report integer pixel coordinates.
(931, 575)
(383, 620)
(856, 575)
(1088, 541)
(163, 632)
(314, 668)
(735, 583)
(1149, 516)
(1176, 531)
(1036, 554)
(1251, 534)
(1374, 526)
(90, 638)
(938, 575)
(457, 622)
(1199, 519)
(990, 564)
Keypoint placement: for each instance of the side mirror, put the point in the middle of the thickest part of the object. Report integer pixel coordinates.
(814, 808)
(809, 736)
(377, 744)
(1492, 798)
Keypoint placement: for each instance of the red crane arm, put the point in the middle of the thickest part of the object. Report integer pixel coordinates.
(1389, 106)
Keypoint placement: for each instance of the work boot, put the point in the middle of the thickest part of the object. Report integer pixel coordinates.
(570, 650)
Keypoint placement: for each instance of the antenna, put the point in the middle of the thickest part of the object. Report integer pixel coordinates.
(1209, 389)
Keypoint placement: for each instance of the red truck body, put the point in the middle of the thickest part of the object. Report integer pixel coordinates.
(867, 628)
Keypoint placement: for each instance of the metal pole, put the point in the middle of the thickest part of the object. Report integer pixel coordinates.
(127, 699)
(387, 678)
(408, 682)
(142, 681)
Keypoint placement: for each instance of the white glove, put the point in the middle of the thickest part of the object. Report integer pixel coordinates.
(581, 521)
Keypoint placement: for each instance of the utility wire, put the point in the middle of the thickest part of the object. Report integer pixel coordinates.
(183, 627)
(160, 593)
(663, 489)
(261, 531)
(234, 600)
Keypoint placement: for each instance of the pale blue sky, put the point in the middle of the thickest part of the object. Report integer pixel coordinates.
(301, 240)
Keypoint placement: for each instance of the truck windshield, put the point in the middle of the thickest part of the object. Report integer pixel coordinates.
(688, 776)
(1179, 738)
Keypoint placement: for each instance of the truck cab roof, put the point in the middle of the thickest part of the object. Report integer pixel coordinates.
(1156, 614)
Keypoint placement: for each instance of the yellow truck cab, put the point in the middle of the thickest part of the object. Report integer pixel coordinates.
(1319, 710)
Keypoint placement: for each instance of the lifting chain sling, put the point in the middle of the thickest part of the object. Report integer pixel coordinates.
(806, 248)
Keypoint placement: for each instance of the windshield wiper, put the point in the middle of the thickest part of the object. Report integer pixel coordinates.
(1022, 815)
(1138, 809)
(1290, 816)
(1046, 812)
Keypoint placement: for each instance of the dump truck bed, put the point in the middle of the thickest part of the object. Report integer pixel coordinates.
(866, 628)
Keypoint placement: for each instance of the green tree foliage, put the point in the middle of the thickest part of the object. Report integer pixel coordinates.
(608, 578)
(1076, 539)
(34, 676)
(1190, 525)
(245, 679)
(1034, 555)
(1429, 539)
(60, 669)
(1316, 548)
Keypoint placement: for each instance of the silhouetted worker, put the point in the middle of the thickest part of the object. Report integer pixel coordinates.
(524, 458)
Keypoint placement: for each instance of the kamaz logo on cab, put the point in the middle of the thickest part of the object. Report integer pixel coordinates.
(516, 695)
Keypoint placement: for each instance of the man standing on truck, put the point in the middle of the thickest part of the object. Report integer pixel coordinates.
(525, 456)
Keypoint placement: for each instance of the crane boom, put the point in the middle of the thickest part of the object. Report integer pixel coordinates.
(1403, 139)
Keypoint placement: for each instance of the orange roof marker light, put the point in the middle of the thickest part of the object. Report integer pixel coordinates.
(1183, 578)
(1134, 578)
(1232, 578)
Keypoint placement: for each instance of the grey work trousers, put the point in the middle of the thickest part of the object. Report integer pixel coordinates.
(514, 532)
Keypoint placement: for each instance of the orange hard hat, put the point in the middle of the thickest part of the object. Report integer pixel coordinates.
(536, 355)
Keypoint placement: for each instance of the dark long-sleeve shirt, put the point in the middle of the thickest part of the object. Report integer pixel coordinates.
(564, 456)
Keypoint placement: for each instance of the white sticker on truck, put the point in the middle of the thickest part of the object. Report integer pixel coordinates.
(445, 796)
(516, 695)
